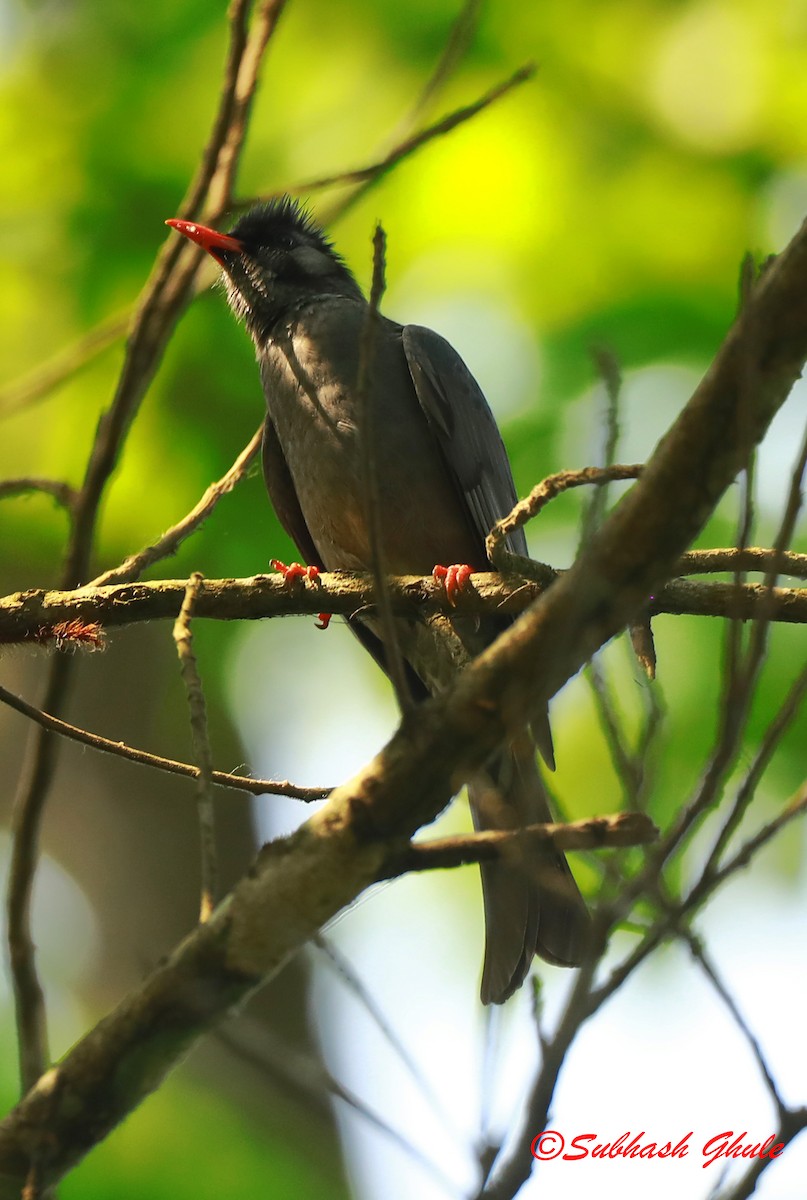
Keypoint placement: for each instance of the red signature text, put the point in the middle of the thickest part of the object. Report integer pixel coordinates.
(551, 1144)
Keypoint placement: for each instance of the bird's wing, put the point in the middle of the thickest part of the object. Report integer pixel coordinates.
(282, 493)
(465, 430)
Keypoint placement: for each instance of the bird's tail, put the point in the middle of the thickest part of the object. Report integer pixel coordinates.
(532, 903)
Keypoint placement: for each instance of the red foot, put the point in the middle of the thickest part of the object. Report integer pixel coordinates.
(455, 579)
(294, 571)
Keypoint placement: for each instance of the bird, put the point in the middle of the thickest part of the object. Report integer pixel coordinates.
(444, 479)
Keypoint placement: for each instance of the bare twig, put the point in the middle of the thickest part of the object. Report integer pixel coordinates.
(629, 767)
(793, 1122)
(183, 637)
(510, 1172)
(302, 1073)
(735, 707)
(372, 173)
(796, 807)
(371, 484)
(456, 45)
(547, 490)
(745, 793)
(61, 492)
(795, 499)
(41, 382)
(672, 917)
(243, 783)
(363, 995)
(698, 952)
(611, 375)
(168, 544)
(593, 833)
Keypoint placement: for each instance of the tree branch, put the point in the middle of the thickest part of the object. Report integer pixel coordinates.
(243, 783)
(168, 544)
(197, 708)
(593, 833)
(26, 616)
(300, 882)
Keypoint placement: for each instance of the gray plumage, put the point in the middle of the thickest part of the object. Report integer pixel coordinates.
(444, 481)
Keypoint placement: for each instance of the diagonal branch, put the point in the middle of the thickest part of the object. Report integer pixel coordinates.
(165, 295)
(168, 544)
(143, 758)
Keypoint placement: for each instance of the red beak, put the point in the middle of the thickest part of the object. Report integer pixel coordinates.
(208, 239)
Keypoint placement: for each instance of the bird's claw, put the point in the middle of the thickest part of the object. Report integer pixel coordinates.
(295, 570)
(454, 579)
(291, 572)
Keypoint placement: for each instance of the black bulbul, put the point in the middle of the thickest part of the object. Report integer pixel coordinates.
(444, 480)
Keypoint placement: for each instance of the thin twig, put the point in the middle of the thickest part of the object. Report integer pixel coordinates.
(166, 545)
(736, 703)
(611, 375)
(546, 491)
(62, 492)
(745, 793)
(308, 1076)
(796, 807)
(795, 499)
(243, 783)
(183, 638)
(456, 45)
(373, 510)
(793, 1122)
(706, 886)
(363, 995)
(44, 380)
(629, 767)
(512, 1169)
(369, 175)
(698, 952)
(489, 845)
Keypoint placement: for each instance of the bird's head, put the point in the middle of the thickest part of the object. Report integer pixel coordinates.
(274, 259)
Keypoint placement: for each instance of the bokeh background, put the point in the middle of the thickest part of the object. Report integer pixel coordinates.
(606, 204)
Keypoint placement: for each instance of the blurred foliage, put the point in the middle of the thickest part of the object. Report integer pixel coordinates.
(608, 202)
